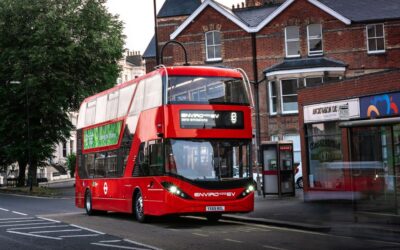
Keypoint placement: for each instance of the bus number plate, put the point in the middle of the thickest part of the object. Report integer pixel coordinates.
(215, 208)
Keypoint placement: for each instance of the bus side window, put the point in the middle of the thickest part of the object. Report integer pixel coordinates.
(141, 164)
(100, 164)
(156, 165)
(112, 170)
(89, 165)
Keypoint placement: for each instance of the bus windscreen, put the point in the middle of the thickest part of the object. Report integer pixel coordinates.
(206, 90)
(200, 159)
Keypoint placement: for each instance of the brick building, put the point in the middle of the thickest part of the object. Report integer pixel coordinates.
(283, 46)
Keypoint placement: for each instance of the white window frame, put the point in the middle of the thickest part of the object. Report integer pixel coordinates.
(375, 37)
(274, 137)
(317, 52)
(281, 96)
(292, 40)
(215, 46)
(271, 112)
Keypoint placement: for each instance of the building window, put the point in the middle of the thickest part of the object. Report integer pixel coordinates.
(274, 137)
(289, 96)
(313, 81)
(314, 38)
(375, 38)
(292, 41)
(64, 149)
(295, 138)
(213, 45)
(273, 98)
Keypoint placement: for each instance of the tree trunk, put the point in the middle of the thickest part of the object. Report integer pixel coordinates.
(21, 174)
(32, 174)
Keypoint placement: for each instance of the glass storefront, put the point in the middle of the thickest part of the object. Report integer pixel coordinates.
(324, 154)
(376, 149)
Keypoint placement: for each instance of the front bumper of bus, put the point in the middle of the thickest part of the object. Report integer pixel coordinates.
(176, 205)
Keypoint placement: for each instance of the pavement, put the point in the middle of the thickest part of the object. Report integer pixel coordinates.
(336, 217)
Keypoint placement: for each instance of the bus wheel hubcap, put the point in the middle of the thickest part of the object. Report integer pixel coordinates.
(139, 206)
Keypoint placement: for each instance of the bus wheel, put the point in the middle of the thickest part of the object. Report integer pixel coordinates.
(88, 204)
(213, 217)
(139, 210)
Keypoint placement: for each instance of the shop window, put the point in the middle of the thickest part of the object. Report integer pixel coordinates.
(325, 158)
(314, 38)
(289, 96)
(295, 138)
(292, 41)
(273, 98)
(375, 38)
(213, 45)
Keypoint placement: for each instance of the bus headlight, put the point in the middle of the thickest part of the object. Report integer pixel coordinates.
(175, 190)
(250, 189)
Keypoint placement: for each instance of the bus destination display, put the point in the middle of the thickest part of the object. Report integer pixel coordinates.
(211, 119)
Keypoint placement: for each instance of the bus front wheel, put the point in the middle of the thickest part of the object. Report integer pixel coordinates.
(139, 209)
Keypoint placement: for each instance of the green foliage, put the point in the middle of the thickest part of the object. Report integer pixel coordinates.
(71, 164)
(60, 51)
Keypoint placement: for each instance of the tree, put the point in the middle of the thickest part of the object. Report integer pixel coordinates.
(60, 51)
(71, 164)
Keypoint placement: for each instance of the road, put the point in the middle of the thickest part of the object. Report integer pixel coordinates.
(45, 223)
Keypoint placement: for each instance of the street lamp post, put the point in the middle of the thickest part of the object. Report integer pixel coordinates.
(30, 177)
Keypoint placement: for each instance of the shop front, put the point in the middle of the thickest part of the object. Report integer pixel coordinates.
(352, 151)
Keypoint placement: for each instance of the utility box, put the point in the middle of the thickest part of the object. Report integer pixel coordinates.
(278, 173)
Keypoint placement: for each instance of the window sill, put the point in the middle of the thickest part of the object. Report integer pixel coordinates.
(292, 57)
(316, 54)
(209, 61)
(378, 52)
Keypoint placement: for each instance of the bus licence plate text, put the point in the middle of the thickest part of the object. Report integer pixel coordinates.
(215, 208)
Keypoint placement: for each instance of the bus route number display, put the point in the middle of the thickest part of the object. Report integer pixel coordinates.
(102, 136)
(209, 119)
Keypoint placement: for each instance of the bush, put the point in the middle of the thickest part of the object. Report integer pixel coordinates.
(71, 164)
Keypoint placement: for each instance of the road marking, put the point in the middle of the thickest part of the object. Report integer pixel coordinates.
(202, 235)
(17, 221)
(117, 246)
(23, 218)
(56, 221)
(55, 231)
(34, 235)
(85, 228)
(236, 241)
(274, 248)
(142, 244)
(78, 235)
(23, 228)
(109, 241)
(3, 209)
(15, 212)
(28, 224)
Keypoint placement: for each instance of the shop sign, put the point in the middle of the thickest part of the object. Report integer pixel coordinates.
(380, 105)
(106, 135)
(332, 111)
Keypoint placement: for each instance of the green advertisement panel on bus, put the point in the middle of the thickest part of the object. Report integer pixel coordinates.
(102, 136)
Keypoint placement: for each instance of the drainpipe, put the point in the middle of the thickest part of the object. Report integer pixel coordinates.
(257, 110)
(155, 32)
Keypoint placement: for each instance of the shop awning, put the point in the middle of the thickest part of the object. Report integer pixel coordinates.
(372, 122)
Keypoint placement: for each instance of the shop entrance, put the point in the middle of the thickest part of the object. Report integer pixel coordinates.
(376, 150)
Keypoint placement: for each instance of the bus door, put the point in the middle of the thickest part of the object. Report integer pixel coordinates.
(150, 163)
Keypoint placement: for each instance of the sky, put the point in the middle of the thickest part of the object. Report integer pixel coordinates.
(138, 19)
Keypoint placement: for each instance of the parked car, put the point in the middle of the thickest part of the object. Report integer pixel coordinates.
(298, 178)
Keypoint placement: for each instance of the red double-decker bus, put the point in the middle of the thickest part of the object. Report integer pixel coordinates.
(175, 141)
